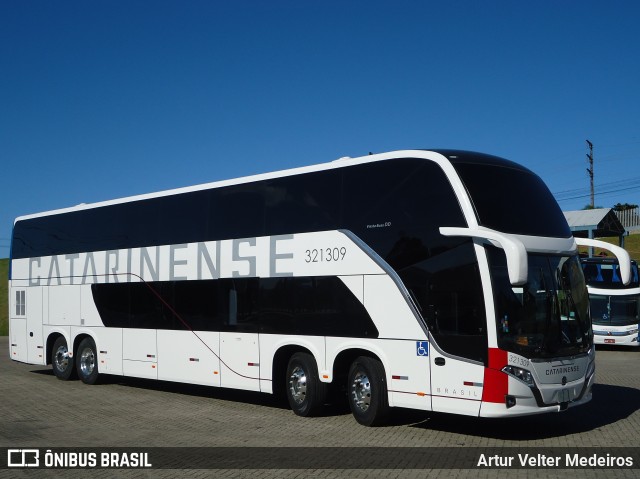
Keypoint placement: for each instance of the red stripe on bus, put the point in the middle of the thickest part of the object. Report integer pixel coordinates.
(497, 358)
(496, 383)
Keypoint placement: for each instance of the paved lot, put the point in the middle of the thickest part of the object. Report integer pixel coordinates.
(40, 411)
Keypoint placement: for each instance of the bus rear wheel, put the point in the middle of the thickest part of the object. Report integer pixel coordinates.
(87, 361)
(367, 391)
(61, 361)
(305, 393)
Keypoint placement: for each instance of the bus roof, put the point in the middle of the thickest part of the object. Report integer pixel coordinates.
(438, 156)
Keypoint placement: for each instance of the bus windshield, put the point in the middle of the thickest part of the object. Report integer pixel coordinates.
(615, 310)
(516, 190)
(546, 317)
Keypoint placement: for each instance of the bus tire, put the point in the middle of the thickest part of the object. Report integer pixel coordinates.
(367, 391)
(305, 393)
(61, 362)
(87, 361)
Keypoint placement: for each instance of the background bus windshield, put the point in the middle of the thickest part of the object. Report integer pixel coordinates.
(615, 310)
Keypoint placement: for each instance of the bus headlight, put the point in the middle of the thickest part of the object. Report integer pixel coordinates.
(520, 374)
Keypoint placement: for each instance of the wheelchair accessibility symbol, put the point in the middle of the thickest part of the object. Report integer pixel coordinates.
(422, 348)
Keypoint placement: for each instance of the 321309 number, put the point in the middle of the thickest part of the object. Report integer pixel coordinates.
(325, 255)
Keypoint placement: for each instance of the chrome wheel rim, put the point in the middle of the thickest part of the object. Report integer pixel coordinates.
(87, 361)
(298, 385)
(61, 358)
(361, 391)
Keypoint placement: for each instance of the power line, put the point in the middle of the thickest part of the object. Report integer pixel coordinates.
(601, 193)
(610, 186)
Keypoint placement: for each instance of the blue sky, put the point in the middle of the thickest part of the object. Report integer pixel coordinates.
(105, 99)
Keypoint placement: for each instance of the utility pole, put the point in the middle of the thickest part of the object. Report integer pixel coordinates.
(590, 171)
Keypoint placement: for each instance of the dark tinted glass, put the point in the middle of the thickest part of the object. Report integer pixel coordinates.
(306, 305)
(599, 309)
(113, 303)
(232, 212)
(397, 208)
(614, 310)
(624, 310)
(605, 273)
(510, 198)
(448, 290)
(303, 203)
(223, 213)
(196, 305)
(547, 316)
(318, 306)
(244, 306)
(132, 305)
(297, 204)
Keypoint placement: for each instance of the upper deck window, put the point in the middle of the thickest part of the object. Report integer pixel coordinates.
(509, 198)
(605, 273)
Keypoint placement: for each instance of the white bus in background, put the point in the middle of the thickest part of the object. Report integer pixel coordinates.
(406, 279)
(615, 307)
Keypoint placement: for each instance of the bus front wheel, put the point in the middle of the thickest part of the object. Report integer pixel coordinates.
(367, 391)
(305, 393)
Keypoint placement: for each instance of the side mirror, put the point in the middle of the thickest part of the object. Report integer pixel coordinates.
(516, 253)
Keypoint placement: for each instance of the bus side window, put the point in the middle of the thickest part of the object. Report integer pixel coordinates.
(233, 308)
(244, 315)
(304, 203)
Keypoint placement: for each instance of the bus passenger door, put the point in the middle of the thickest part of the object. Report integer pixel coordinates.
(456, 317)
(35, 346)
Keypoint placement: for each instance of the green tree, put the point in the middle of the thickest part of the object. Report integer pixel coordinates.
(624, 207)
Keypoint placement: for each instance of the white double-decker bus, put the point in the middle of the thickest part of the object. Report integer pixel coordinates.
(615, 307)
(435, 280)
